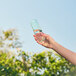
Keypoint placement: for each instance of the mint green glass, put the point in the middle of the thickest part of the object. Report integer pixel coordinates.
(35, 26)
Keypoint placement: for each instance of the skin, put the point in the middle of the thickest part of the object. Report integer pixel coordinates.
(49, 42)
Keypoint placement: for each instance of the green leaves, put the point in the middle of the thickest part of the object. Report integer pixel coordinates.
(46, 63)
(52, 64)
(49, 64)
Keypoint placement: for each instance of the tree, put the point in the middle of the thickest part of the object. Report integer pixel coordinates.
(51, 63)
(14, 61)
(11, 55)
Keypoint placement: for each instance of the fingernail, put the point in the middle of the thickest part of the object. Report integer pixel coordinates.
(34, 35)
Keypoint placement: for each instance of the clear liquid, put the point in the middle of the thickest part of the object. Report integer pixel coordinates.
(37, 31)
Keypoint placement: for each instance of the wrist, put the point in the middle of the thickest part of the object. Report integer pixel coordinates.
(54, 44)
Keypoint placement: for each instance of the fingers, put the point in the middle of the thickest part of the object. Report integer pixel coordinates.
(41, 43)
(38, 41)
(40, 34)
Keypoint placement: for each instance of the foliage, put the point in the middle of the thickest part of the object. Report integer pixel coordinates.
(15, 62)
(51, 63)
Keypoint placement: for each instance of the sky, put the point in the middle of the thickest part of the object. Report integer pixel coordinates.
(56, 18)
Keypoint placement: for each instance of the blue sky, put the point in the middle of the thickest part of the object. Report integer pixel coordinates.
(56, 18)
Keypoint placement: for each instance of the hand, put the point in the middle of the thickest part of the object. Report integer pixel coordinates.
(47, 42)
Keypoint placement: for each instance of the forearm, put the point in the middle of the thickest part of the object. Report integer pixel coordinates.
(69, 55)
